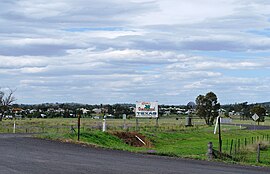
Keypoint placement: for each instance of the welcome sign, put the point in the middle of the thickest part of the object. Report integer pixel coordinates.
(146, 109)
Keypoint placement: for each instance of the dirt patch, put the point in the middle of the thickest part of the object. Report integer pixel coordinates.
(133, 139)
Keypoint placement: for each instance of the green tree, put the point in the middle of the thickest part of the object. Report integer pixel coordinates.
(207, 107)
(260, 111)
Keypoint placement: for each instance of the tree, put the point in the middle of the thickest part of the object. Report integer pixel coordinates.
(207, 107)
(6, 99)
(260, 111)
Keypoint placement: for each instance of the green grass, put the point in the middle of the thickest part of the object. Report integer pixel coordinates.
(189, 143)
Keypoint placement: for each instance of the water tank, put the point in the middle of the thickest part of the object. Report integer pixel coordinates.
(188, 121)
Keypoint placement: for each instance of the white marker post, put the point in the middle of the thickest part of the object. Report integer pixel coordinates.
(104, 125)
(124, 118)
(14, 127)
(215, 130)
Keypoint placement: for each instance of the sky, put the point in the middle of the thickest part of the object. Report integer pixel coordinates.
(123, 51)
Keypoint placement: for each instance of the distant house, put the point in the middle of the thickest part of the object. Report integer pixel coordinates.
(9, 117)
(167, 112)
(43, 115)
(32, 111)
(84, 111)
(18, 116)
(97, 111)
(17, 110)
(59, 110)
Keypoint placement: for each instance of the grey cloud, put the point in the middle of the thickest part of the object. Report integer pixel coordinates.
(35, 50)
(74, 12)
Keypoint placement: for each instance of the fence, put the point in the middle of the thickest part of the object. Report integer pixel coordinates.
(48, 125)
(249, 150)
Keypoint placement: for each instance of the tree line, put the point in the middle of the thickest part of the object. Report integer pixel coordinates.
(207, 107)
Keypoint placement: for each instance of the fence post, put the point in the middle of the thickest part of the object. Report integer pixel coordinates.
(235, 146)
(258, 153)
(14, 127)
(210, 151)
(231, 147)
(239, 145)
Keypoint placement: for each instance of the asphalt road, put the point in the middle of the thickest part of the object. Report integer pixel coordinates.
(250, 126)
(20, 154)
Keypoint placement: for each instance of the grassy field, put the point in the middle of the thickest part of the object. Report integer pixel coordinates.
(171, 138)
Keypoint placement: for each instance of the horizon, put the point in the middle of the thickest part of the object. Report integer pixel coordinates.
(135, 50)
(128, 103)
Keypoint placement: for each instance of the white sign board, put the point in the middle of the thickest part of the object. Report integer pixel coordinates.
(147, 109)
(255, 117)
(124, 116)
(225, 120)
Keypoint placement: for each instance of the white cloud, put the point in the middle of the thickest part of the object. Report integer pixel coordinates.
(123, 51)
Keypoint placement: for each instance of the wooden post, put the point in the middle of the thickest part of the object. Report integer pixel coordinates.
(79, 126)
(210, 151)
(235, 144)
(258, 153)
(239, 145)
(219, 136)
(227, 145)
(231, 147)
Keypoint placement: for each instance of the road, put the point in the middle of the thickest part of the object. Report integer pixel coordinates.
(21, 154)
(250, 126)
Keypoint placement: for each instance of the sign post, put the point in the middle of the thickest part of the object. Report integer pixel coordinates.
(255, 117)
(146, 110)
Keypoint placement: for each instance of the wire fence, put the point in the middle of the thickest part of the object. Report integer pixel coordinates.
(249, 149)
(111, 125)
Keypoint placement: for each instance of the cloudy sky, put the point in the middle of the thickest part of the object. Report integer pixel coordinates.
(122, 51)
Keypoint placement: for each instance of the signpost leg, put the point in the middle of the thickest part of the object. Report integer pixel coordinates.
(137, 124)
(125, 125)
(157, 122)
